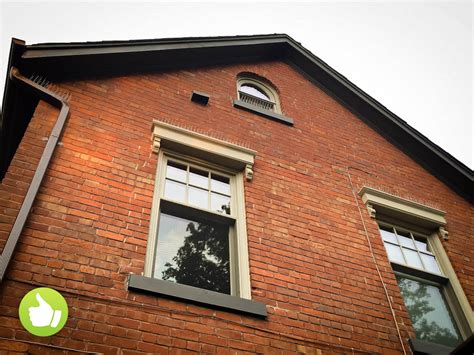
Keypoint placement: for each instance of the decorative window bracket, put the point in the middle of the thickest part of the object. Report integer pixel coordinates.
(156, 143)
(249, 172)
(443, 233)
(371, 210)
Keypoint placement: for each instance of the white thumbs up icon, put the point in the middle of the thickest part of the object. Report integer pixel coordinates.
(44, 315)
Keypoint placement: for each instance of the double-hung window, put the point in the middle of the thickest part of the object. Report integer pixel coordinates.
(196, 227)
(197, 246)
(438, 308)
(422, 285)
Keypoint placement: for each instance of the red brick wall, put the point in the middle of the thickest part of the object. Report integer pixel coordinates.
(309, 257)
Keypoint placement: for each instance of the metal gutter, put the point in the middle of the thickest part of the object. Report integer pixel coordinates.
(59, 102)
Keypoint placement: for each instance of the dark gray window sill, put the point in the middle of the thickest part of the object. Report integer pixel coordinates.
(196, 295)
(420, 347)
(262, 112)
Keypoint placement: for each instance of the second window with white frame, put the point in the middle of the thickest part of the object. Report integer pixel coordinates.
(422, 285)
(195, 241)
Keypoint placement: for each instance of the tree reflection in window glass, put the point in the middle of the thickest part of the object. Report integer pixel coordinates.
(431, 318)
(193, 253)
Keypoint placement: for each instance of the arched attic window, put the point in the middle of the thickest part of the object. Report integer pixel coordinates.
(257, 92)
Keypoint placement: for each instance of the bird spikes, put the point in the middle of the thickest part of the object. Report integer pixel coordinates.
(42, 81)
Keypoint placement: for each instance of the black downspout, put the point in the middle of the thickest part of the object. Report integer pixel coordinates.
(59, 102)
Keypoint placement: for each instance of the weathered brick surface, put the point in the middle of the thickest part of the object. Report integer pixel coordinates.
(309, 258)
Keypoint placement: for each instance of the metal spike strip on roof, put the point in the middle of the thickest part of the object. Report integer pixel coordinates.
(42, 81)
(38, 79)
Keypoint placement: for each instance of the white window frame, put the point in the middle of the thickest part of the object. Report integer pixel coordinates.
(209, 153)
(267, 89)
(429, 222)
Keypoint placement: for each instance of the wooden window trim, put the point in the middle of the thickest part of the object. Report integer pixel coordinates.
(395, 210)
(235, 161)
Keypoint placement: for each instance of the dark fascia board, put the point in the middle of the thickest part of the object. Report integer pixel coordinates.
(17, 48)
(75, 63)
(12, 119)
(111, 47)
(71, 60)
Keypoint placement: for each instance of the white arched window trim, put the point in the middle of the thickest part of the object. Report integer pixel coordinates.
(272, 105)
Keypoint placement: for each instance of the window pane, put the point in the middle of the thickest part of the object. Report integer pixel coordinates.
(429, 313)
(394, 253)
(175, 191)
(220, 184)
(421, 244)
(199, 178)
(412, 257)
(220, 203)
(198, 197)
(405, 239)
(430, 263)
(388, 235)
(176, 171)
(252, 90)
(193, 253)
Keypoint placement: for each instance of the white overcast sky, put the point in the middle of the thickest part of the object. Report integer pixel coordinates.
(415, 57)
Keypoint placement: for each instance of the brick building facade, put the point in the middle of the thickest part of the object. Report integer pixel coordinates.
(322, 171)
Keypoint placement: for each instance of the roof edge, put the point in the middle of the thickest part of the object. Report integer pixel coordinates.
(173, 40)
(428, 154)
(454, 162)
(43, 51)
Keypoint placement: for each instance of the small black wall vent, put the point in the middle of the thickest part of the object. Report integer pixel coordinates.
(200, 98)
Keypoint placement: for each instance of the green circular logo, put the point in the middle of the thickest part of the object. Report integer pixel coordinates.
(43, 312)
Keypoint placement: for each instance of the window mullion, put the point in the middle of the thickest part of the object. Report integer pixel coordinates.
(209, 190)
(418, 251)
(400, 245)
(186, 194)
